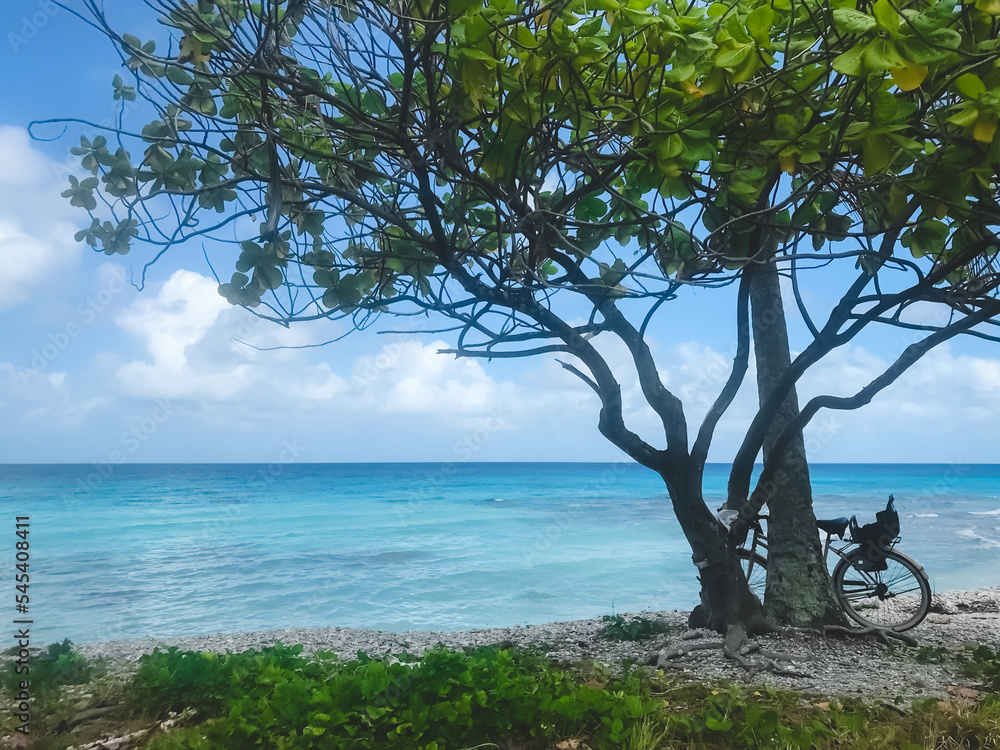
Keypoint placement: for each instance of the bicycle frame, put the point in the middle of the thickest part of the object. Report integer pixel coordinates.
(891, 592)
(760, 542)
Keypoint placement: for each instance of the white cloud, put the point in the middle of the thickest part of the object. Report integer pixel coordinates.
(416, 379)
(43, 402)
(201, 349)
(945, 407)
(177, 318)
(404, 401)
(21, 164)
(36, 223)
(938, 386)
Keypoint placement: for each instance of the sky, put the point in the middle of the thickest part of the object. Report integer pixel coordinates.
(93, 370)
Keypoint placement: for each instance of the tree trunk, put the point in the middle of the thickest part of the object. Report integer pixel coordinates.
(799, 589)
(726, 600)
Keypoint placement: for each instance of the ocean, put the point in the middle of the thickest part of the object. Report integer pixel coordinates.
(163, 550)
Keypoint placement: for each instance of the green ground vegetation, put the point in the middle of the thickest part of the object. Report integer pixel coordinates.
(484, 698)
(634, 627)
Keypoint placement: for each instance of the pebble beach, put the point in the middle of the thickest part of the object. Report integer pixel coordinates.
(832, 666)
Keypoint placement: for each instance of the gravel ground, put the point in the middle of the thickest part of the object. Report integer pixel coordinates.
(836, 666)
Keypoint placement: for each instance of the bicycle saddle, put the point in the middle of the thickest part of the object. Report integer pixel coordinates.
(834, 526)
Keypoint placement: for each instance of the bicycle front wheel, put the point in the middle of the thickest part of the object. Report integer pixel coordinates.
(755, 569)
(897, 598)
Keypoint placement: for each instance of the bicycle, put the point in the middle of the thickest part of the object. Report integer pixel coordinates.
(874, 584)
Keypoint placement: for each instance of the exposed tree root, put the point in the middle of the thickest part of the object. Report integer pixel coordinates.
(883, 634)
(738, 647)
(678, 652)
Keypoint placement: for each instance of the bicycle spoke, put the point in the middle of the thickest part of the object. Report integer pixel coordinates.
(904, 591)
(896, 597)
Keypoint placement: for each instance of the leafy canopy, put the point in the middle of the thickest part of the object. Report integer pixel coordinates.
(615, 149)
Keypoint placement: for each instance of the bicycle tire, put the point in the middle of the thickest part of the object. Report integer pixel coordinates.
(897, 598)
(756, 574)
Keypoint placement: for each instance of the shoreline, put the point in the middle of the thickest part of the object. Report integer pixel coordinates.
(836, 666)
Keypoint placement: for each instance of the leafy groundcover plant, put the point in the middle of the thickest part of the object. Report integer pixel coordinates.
(444, 699)
(56, 666)
(485, 698)
(500, 698)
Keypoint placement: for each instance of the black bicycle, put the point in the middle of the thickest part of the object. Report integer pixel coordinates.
(875, 584)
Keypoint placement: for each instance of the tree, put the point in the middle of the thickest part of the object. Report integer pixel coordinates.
(479, 159)
(799, 589)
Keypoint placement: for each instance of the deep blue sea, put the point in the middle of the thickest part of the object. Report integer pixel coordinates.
(168, 550)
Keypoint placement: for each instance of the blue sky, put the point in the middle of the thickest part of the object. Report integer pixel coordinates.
(93, 370)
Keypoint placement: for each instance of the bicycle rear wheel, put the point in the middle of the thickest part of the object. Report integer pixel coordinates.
(755, 569)
(897, 598)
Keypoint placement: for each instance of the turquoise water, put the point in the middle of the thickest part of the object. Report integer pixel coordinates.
(165, 550)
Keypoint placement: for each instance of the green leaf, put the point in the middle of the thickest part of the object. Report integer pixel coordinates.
(81, 194)
(947, 38)
(990, 7)
(731, 58)
(970, 86)
(472, 53)
(965, 117)
(349, 291)
(177, 74)
(759, 24)
(718, 723)
(876, 153)
(268, 277)
(679, 73)
(927, 238)
(853, 21)
(881, 54)
(591, 27)
(849, 63)
(349, 13)
(590, 208)
(670, 147)
(354, 215)
(331, 298)
(326, 279)
(886, 15)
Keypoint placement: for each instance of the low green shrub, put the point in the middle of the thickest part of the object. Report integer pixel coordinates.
(444, 699)
(54, 667)
(933, 655)
(735, 718)
(447, 700)
(984, 665)
(173, 680)
(619, 628)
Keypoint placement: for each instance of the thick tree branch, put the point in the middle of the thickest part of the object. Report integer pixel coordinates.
(910, 356)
